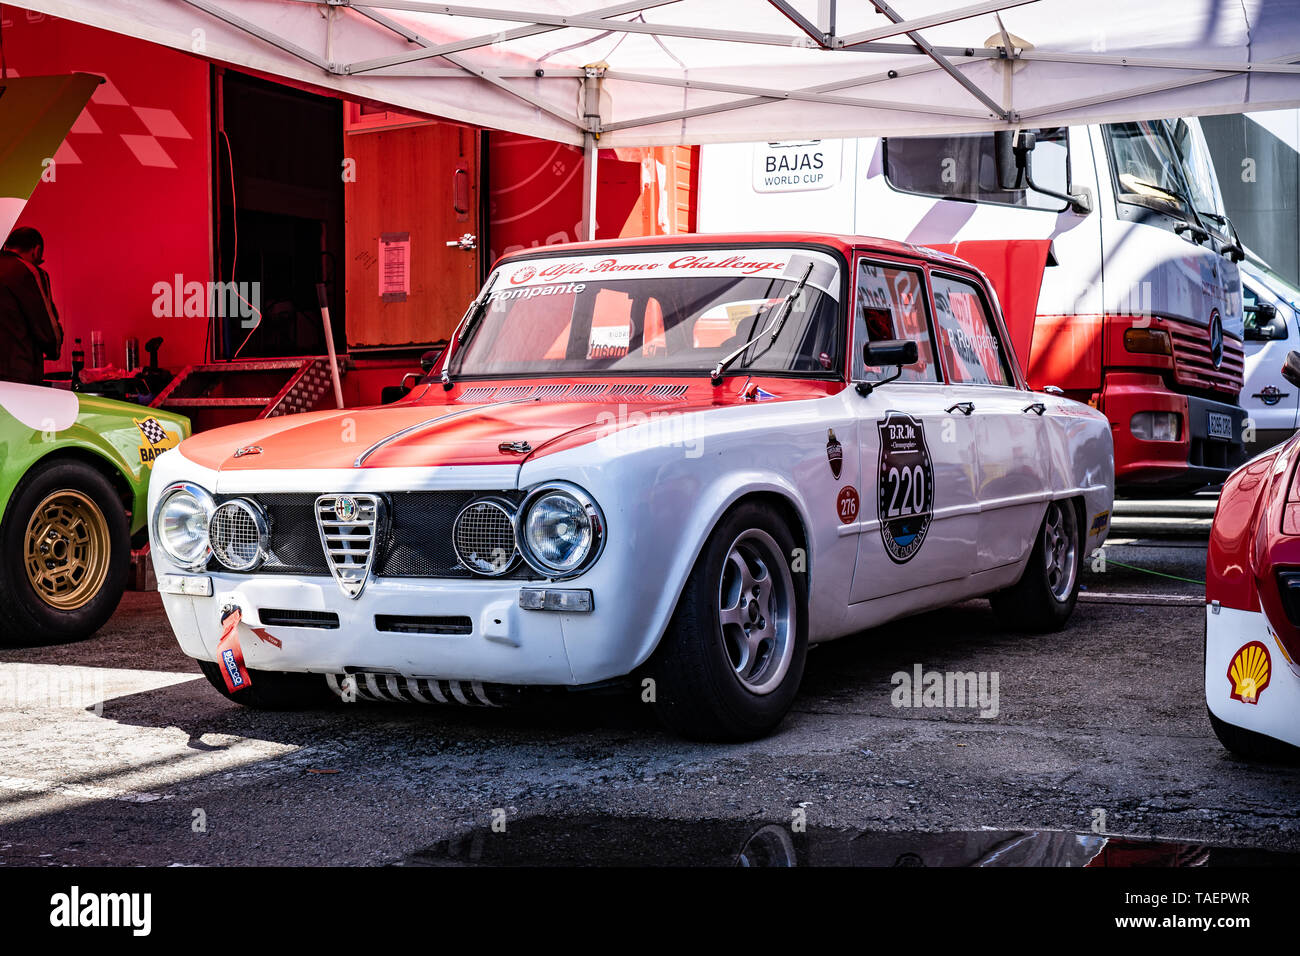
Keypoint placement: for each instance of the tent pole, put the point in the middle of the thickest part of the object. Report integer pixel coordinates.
(590, 159)
(591, 80)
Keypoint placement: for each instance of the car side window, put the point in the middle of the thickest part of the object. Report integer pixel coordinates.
(890, 304)
(968, 339)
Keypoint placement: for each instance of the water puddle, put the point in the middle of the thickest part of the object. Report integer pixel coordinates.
(647, 841)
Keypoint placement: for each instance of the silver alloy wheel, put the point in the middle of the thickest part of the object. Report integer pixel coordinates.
(757, 611)
(1061, 548)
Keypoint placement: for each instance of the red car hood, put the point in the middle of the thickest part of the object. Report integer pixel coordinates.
(446, 431)
(439, 434)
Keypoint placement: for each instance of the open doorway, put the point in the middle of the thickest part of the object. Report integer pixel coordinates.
(278, 223)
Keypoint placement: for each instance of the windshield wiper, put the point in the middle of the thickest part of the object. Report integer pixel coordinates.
(1229, 246)
(774, 327)
(1175, 197)
(468, 325)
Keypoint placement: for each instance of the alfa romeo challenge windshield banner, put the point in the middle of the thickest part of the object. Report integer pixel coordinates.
(774, 263)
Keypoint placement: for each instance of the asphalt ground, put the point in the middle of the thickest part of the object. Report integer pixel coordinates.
(116, 751)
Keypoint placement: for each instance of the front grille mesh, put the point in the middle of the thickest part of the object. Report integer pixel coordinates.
(416, 543)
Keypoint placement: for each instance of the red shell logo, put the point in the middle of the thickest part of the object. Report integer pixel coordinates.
(1249, 672)
(522, 274)
(846, 505)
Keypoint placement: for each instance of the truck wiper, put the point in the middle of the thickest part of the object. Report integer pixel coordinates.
(468, 325)
(1231, 246)
(774, 328)
(1178, 197)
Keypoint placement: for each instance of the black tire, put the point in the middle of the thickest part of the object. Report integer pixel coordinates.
(1251, 744)
(93, 529)
(274, 690)
(698, 691)
(1033, 603)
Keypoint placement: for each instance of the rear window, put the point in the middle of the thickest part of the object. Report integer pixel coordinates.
(968, 339)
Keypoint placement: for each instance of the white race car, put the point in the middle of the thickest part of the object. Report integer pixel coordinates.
(679, 461)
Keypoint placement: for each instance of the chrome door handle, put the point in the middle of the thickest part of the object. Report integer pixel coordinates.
(1037, 408)
(467, 242)
(1053, 390)
(966, 408)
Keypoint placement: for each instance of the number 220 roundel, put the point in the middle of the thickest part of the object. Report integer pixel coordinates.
(906, 486)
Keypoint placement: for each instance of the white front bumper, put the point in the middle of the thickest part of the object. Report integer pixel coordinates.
(506, 645)
(1276, 711)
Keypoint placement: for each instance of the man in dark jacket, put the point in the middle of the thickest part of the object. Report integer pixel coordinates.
(29, 324)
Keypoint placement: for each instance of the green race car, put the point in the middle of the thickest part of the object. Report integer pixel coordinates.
(74, 474)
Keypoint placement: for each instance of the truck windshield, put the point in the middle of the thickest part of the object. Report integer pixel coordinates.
(1198, 170)
(1166, 166)
(677, 312)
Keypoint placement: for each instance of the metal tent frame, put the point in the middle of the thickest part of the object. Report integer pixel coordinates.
(559, 69)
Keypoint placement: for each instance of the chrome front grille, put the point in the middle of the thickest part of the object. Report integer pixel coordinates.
(350, 528)
(1194, 366)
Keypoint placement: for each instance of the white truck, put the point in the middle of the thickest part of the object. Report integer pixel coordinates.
(1108, 245)
(1272, 330)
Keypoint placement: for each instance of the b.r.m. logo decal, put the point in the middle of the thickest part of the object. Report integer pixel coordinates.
(905, 500)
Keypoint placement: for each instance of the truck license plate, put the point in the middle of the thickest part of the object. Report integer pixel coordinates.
(1218, 425)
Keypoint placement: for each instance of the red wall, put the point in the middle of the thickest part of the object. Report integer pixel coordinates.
(536, 192)
(129, 205)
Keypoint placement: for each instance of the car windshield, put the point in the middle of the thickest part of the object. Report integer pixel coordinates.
(675, 312)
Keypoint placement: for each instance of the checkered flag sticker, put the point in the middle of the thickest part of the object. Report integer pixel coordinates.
(153, 431)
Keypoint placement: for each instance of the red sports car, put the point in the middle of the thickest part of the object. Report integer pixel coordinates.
(1252, 592)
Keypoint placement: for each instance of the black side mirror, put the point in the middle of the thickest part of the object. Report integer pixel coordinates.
(1011, 159)
(1291, 368)
(1014, 168)
(1263, 324)
(890, 352)
(429, 359)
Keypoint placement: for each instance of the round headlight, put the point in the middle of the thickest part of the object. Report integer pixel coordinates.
(561, 531)
(181, 524)
(238, 534)
(483, 535)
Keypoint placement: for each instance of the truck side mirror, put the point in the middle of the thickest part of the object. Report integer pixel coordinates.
(1291, 368)
(1015, 169)
(1006, 161)
(890, 352)
(429, 359)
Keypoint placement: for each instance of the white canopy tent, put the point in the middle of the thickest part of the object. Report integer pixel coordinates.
(660, 72)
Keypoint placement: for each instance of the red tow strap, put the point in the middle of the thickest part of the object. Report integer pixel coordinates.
(229, 654)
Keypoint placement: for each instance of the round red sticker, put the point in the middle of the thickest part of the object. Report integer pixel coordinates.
(847, 505)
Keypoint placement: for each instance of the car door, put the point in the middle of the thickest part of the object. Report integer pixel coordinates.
(916, 522)
(1270, 401)
(1012, 443)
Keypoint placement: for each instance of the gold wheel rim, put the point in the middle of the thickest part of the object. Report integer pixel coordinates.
(66, 550)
